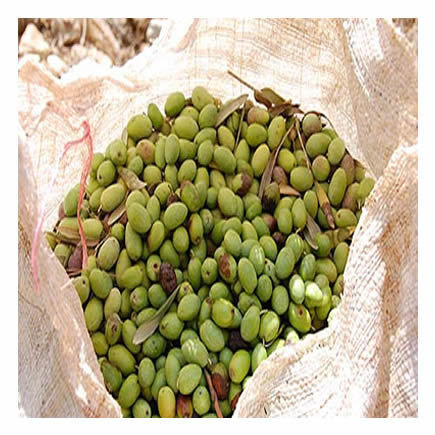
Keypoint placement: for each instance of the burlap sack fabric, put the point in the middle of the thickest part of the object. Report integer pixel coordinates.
(363, 75)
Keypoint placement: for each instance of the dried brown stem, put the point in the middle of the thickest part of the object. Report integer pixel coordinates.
(241, 80)
(213, 394)
(324, 204)
(239, 130)
(297, 125)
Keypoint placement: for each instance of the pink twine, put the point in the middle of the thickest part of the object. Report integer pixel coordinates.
(85, 172)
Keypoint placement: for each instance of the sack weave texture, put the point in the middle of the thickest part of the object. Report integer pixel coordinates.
(363, 75)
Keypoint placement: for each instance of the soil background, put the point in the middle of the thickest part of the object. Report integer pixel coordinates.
(60, 43)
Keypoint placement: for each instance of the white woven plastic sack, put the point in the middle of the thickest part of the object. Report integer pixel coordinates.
(363, 75)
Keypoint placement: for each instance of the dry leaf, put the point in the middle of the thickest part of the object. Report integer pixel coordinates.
(75, 259)
(213, 394)
(90, 243)
(280, 108)
(124, 135)
(131, 179)
(116, 214)
(259, 96)
(262, 99)
(229, 108)
(150, 325)
(310, 232)
(324, 204)
(239, 130)
(68, 233)
(267, 174)
(293, 110)
(272, 96)
(285, 189)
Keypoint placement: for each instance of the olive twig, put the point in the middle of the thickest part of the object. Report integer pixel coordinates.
(241, 80)
(302, 143)
(213, 394)
(259, 95)
(239, 130)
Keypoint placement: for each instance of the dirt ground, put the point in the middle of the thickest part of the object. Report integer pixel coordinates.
(61, 43)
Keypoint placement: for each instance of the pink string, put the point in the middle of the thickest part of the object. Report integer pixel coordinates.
(85, 173)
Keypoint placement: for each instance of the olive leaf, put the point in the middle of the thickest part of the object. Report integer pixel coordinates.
(131, 179)
(262, 98)
(285, 189)
(100, 243)
(70, 234)
(276, 104)
(293, 110)
(267, 174)
(286, 108)
(310, 231)
(292, 123)
(272, 96)
(116, 214)
(324, 204)
(280, 108)
(106, 226)
(309, 239)
(52, 234)
(239, 130)
(124, 135)
(76, 258)
(91, 243)
(229, 108)
(148, 328)
(74, 266)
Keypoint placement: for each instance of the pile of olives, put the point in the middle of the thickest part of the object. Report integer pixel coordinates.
(243, 216)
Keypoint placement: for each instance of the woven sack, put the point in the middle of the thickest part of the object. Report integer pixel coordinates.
(363, 75)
